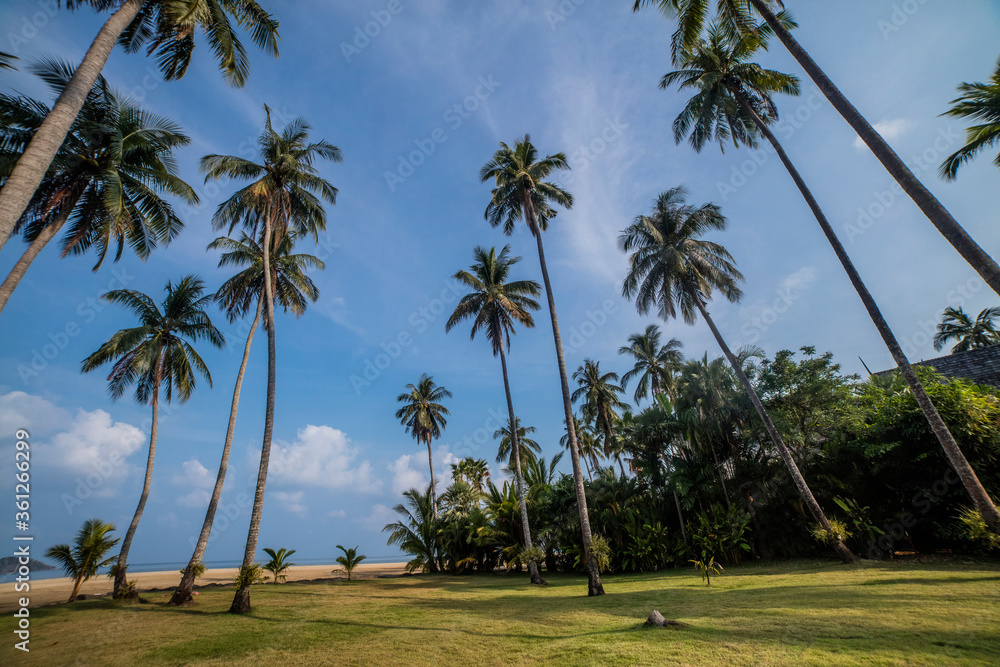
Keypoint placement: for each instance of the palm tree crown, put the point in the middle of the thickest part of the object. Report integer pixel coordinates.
(980, 102)
(655, 364)
(422, 414)
(970, 334)
(529, 448)
(600, 393)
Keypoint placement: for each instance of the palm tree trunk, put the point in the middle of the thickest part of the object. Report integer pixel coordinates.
(182, 595)
(241, 601)
(935, 211)
(120, 571)
(970, 480)
(800, 483)
(515, 443)
(430, 463)
(47, 234)
(34, 162)
(718, 468)
(594, 586)
(76, 588)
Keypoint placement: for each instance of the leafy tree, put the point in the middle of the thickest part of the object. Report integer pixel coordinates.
(672, 268)
(157, 353)
(474, 472)
(88, 553)
(350, 560)
(417, 531)
(970, 334)
(423, 416)
(165, 28)
(279, 563)
(529, 447)
(107, 180)
(293, 290)
(655, 363)
(601, 403)
(980, 102)
(285, 195)
(522, 192)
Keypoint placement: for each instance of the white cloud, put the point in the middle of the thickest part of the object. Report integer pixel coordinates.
(38, 416)
(322, 456)
(198, 476)
(379, 516)
(404, 477)
(291, 501)
(337, 514)
(889, 129)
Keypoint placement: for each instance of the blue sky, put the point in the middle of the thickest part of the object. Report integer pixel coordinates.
(417, 109)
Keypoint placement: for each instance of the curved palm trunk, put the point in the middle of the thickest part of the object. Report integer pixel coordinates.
(182, 595)
(594, 586)
(515, 443)
(800, 483)
(34, 162)
(935, 211)
(76, 588)
(121, 570)
(970, 480)
(21, 267)
(430, 462)
(241, 601)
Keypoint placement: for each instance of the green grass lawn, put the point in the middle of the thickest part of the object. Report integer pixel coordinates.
(799, 613)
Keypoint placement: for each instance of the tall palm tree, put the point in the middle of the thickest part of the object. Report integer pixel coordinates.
(157, 353)
(733, 101)
(655, 363)
(107, 180)
(522, 192)
(528, 447)
(285, 195)
(978, 101)
(737, 17)
(494, 306)
(88, 553)
(423, 416)
(601, 402)
(970, 334)
(293, 290)
(672, 268)
(165, 28)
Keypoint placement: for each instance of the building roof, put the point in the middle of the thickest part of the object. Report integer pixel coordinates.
(980, 366)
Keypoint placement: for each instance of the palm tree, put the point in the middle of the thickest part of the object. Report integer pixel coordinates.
(978, 101)
(736, 17)
(475, 472)
(522, 193)
(587, 442)
(350, 560)
(284, 196)
(528, 447)
(672, 268)
(417, 531)
(601, 402)
(494, 306)
(293, 290)
(7, 60)
(971, 335)
(165, 28)
(279, 563)
(107, 180)
(655, 364)
(734, 101)
(87, 555)
(423, 416)
(157, 353)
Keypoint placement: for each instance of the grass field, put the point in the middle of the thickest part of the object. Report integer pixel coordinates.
(799, 613)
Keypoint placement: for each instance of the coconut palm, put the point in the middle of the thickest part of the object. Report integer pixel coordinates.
(475, 472)
(980, 102)
(165, 28)
(601, 402)
(285, 195)
(417, 531)
(528, 447)
(350, 560)
(587, 441)
(736, 17)
(494, 306)
(423, 416)
(655, 363)
(293, 290)
(108, 178)
(676, 271)
(733, 101)
(7, 60)
(279, 563)
(88, 553)
(522, 192)
(970, 334)
(156, 354)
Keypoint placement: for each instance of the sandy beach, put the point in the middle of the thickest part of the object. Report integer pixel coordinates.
(52, 591)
